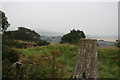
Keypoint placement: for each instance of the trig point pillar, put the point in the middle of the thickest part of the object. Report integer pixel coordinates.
(86, 60)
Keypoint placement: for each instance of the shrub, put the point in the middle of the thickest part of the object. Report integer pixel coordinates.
(42, 43)
(7, 70)
(73, 37)
(10, 55)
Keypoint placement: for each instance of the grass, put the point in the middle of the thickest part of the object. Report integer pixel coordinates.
(108, 62)
(60, 60)
(61, 56)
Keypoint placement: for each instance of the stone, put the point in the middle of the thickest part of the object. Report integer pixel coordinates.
(86, 60)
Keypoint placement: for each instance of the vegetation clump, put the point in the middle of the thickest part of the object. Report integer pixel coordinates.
(73, 37)
(25, 34)
(118, 43)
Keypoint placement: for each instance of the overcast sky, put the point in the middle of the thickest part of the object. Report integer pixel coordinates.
(94, 18)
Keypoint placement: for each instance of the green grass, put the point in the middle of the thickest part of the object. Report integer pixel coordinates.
(42, 58)
(64, 60)
(108, 62)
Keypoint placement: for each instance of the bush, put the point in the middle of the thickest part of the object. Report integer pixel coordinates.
(118, 43)
(7, 70)
(10, 55)
(42, 43)
(73, 37)
(23, 34)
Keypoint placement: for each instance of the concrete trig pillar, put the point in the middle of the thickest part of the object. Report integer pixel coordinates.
(86, 60)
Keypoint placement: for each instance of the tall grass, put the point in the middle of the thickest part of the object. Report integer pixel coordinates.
(108, 62)
(42, 63)
(56, 60)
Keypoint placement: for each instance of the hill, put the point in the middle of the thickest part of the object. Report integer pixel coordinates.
(48, 32)
(55, 61)
(58, 60)
(105, 37)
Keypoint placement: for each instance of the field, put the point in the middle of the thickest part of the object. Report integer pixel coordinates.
(50, 61)
(58, 60)
(108, 62)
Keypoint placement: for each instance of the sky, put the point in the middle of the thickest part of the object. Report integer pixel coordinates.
(94, 18)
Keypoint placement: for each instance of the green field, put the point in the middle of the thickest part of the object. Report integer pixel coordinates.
(50, 61)
(58, 60)
(108, 62)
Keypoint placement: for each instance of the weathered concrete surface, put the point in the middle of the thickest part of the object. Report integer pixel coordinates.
(86, 60)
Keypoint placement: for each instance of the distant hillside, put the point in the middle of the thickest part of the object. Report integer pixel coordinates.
(55, 37)
(105, 38)
(43, 32)
(50, 36)
(52, 39)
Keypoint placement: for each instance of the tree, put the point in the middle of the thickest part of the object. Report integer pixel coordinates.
(10, 54)
(72, 37)
(24, 34)
(118, 43)
(4, 24)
